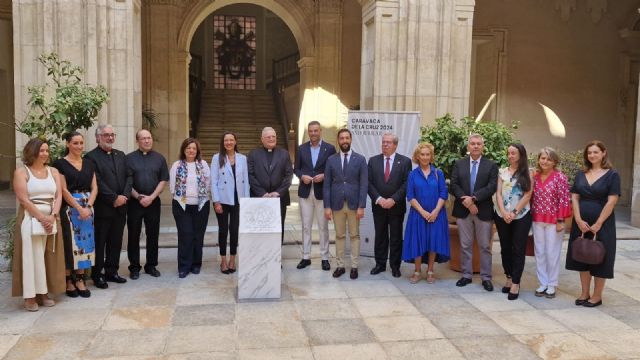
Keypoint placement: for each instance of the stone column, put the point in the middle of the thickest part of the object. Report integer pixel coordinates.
(101, 36)
(165, 74)
(320, 75)
(416, 55)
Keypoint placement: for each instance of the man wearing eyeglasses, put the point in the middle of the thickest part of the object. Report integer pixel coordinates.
(114, 188)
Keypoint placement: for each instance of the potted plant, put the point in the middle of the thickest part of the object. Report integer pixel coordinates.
(449, 138)
(64, 105)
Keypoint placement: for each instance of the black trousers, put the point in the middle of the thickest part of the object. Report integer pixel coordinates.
(108, 238)
(513, 243)
(191, 225)
(136, 214)
(388, 239)
(228, 223)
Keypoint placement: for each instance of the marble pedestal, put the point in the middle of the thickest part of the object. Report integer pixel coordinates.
(259, 247)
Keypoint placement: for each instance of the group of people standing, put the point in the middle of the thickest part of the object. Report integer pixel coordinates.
(91, 198)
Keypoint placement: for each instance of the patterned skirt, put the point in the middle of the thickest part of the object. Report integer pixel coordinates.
(82, 235)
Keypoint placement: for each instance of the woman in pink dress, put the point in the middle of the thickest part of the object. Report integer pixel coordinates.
(550, 206)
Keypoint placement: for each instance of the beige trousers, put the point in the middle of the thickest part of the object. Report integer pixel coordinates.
(342, 218)
(34, 275)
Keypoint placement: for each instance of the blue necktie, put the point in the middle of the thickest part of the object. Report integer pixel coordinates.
(474, 173)
(345, 163)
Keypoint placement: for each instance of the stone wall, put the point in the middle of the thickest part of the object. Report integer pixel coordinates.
(570, 59)
(7, 138)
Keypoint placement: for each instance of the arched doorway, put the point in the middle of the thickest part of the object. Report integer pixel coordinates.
(268, 83)
(243, 76)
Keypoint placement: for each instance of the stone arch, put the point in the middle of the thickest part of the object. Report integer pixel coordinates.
(289, 11)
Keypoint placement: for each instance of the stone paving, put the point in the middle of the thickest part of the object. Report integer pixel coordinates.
(318, 317)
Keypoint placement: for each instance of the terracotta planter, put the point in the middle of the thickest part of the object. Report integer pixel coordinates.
(454, 240)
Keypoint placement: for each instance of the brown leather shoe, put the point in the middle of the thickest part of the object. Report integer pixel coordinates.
(30, 306)
(338, 272)
(354, 273)
(44, 300)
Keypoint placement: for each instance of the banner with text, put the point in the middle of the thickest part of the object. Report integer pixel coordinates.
(367, 128)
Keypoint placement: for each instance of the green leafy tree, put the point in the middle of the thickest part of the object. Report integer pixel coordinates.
(64, 105)
(449, 138)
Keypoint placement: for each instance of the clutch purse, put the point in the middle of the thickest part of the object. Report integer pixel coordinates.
(38, 229)
(588, 251)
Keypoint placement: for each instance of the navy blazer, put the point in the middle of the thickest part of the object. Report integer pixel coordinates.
(350, 186)
(304, 166)
(223, 183)
(395, 188)
(485, 187)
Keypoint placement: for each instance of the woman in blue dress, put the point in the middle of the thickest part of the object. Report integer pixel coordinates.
(427, 230)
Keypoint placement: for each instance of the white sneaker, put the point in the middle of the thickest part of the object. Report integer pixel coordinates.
(551, 292)
(540, 291)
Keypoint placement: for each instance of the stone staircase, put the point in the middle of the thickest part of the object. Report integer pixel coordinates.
(245, 112)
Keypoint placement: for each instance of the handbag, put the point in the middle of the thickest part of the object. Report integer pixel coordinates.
(36, 226)
(587, 251)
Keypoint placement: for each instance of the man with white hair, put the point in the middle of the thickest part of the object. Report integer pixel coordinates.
(270, 172)
(114, 188)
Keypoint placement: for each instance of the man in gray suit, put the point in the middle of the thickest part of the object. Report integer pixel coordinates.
(270, 172)
(345, 197)
(474, 180)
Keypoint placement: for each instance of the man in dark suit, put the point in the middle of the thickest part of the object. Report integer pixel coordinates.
(270, 172)
(114, 188)
(309, 168)
(474, 180)
(345, 197)
(388, 173)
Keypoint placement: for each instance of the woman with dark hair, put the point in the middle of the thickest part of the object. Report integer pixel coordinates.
(512, 216)
(594, 195)
(79, 190)
(38, 256)
(550, 206)
(229, 182)
(189, 184)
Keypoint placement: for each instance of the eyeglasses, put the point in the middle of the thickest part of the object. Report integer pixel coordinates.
(107, 135)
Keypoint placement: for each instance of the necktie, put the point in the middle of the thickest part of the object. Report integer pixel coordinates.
(345, 163)
(387, 171)
(474, 173)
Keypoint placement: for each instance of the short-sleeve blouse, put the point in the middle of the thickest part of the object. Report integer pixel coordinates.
(511, 194)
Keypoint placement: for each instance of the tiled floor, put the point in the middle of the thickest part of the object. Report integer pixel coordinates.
(318, 317)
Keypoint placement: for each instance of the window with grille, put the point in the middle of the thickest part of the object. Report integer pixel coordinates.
(235, 50)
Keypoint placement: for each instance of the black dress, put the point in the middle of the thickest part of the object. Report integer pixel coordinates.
(592, 200)
(77, 254)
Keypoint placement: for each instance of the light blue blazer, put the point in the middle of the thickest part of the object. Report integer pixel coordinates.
(222, 179)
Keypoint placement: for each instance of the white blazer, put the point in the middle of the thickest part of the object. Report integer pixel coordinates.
(222, 179)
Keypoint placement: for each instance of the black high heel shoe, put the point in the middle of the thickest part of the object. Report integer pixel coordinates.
(505, 289)
(72, 293)
(83, 293)
(224, 271)
(513, 296)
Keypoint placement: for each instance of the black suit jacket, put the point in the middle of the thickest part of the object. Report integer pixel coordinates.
(395, 188)
(485, 187)
(113, 177)
(304, 166)
(265, 178)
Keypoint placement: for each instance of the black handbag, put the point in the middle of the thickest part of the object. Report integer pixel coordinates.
(587, 251)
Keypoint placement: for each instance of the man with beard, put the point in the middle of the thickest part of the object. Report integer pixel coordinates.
(114, 188)
(270, 172)
(345, 197)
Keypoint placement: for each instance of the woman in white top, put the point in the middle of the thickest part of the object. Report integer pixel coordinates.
(229, 182)
(189, 185)
(37, 189)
